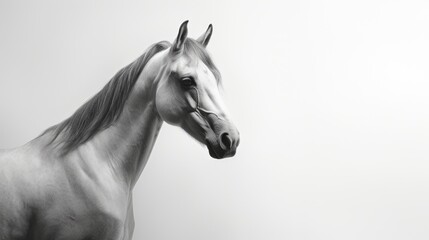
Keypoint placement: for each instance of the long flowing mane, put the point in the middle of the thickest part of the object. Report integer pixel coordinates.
(105, 107)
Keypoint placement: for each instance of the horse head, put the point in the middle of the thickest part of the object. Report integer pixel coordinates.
(188, 96)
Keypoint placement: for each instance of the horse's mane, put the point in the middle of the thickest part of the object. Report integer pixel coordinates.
(106, 106)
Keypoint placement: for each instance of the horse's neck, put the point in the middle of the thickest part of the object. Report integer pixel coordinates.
(127, 144)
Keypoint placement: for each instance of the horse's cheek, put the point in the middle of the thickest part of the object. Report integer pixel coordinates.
(167, 107)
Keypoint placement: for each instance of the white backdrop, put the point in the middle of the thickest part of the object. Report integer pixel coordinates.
(330, 97)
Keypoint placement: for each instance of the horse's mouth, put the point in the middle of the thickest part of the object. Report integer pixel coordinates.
(212, 152)
(219, 153)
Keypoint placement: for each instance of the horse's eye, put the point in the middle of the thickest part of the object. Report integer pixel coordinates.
(187, 82)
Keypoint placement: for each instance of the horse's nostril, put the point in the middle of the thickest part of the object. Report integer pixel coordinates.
(226, 140)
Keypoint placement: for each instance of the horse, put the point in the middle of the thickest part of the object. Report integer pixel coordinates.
(75, 180)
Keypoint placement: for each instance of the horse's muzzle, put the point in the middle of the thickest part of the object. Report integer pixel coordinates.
(224, 141)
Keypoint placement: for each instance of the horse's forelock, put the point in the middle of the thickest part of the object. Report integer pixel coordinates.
(194, 48)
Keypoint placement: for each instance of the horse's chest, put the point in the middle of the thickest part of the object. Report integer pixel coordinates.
(91, 225)
(85, 216)
(83, 223)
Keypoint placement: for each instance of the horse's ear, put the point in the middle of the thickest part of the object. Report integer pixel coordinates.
(181, 37)
(205, 38)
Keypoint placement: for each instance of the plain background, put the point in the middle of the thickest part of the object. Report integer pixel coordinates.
(330, 97)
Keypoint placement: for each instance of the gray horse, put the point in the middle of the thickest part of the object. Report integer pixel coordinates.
(75, 180)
